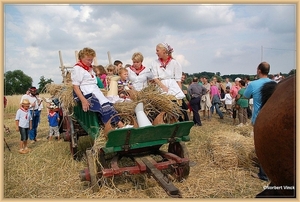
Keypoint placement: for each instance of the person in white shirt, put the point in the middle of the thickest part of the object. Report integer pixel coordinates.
(278, 78)
(34, 111)
(228, 83)
(40, 105)
(23, 125)
(85, 82)
(228, 101)
(167, 71)
(167, 74)
(138, 74)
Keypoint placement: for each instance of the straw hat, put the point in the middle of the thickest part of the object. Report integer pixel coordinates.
(51, 106)
(25, 102)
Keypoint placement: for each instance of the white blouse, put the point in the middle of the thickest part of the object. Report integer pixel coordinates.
(140, 81)
(169, 76)
(87, 83)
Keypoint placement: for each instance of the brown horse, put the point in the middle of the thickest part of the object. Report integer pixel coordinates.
(274, 139)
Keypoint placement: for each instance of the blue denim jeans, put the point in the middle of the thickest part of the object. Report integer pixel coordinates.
(218, 111)
(35, 122)
(24, 133)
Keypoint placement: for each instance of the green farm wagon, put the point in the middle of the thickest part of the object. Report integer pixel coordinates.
(142, 145)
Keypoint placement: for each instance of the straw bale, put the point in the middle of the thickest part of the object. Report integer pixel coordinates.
(232, 150)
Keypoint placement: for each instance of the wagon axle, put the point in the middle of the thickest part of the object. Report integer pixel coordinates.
(147, 165)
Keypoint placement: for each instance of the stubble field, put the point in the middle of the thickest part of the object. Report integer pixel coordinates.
(222, 152)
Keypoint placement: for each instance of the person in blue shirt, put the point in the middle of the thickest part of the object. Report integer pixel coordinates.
(53, 119)
(253, 91)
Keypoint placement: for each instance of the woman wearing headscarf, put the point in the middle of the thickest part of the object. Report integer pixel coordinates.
(167, 72)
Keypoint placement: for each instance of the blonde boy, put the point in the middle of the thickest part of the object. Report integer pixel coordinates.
(23, 125)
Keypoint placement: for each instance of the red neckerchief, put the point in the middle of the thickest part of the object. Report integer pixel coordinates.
(164, 64)
(87, 68)
(137, 71)
(52, 114)
(25, 110)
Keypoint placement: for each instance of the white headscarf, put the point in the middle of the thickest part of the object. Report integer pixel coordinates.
(168, 47)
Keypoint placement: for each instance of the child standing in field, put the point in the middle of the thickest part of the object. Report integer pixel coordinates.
(228, 101)
(23, 125)
(53, 119)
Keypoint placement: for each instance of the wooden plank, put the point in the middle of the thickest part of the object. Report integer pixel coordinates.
(76, 56)
(109, 58)
(95, 61)
(62, 67)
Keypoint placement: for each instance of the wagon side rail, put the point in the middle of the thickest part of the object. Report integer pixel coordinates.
(89, 121)
(148, 136)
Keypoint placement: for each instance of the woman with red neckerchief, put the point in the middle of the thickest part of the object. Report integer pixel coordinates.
(84, 82)
(167, 71)
(138, 74)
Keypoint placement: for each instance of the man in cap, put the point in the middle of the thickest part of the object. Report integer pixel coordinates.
(235, 89)
(33, 108)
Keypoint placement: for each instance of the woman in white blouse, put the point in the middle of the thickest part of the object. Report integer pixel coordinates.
(84, 82)
(167, 71)
(138, 74)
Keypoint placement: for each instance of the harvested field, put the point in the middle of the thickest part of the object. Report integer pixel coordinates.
(223, 155)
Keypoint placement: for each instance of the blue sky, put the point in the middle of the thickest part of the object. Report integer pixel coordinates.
(230, 39)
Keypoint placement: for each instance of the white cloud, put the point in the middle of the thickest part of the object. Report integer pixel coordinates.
(213, 38)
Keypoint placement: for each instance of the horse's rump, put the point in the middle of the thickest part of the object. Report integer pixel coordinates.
(274, 137)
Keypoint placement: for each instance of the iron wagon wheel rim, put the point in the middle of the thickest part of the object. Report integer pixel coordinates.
(73, 138)
(73, 151)
(67, 136)
(180, 149)
(92, 166)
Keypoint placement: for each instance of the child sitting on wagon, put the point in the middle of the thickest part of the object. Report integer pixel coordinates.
(124, 83)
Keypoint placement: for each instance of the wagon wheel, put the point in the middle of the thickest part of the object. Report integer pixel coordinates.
(65, 124)
(92, 166)
(180, 149)
(73, 137)
(74, 151)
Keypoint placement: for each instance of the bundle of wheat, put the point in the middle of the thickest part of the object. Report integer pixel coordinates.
(64, 92)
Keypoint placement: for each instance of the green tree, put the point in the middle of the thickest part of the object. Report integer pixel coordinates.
(293, 71)
(188, 80)
(16, 82)
(43, 82)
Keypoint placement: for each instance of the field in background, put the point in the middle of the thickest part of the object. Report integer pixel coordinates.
(223, 154)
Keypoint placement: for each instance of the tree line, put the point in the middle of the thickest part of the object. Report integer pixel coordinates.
(16, 82)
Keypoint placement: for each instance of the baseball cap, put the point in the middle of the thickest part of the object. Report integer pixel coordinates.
(238, 79)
